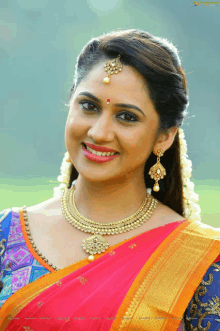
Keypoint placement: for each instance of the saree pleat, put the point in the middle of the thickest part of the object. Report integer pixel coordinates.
(87, 298)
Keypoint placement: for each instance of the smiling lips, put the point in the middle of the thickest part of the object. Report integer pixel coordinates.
(98, 158)
(99, 148)
(98, 153)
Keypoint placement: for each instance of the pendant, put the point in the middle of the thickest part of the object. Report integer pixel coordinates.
(95, 244)
(157, 171)
(106, 80)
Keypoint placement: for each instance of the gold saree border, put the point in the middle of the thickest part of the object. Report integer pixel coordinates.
(164, 287)
(18, 300)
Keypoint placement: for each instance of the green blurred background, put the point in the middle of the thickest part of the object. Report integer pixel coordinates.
(40, 41)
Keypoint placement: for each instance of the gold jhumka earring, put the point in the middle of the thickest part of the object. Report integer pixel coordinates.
(157, 171)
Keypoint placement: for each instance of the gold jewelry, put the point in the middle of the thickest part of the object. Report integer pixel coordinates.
(96, 244)
(157, 171)
(112, 67)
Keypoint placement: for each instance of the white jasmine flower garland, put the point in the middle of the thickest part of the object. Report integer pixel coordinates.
(192, 209)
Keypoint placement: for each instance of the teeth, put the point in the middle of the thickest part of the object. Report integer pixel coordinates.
(100, 153)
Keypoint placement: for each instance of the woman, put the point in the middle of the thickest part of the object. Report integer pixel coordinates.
(128, 99)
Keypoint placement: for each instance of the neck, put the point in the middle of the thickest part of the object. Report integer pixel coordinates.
(104, 203)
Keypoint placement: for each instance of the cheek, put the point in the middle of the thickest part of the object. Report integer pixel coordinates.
(141, 145)
(138, 139)
(74, 125)
(73, 132)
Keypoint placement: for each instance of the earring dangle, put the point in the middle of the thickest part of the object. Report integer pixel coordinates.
(112, 67)
(157, 171)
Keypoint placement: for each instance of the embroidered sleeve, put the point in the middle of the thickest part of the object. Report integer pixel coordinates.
(203, 311)
(3, 215)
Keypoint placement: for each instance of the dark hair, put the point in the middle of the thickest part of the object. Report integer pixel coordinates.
(157, 60)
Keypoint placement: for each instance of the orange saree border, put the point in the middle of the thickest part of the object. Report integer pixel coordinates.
(165, 285)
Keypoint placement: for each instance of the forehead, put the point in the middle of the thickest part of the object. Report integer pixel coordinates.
(127, 83)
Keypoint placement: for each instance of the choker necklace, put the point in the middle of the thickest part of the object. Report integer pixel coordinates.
(96, 244)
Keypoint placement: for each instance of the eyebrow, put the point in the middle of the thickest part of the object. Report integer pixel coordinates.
(123, 105)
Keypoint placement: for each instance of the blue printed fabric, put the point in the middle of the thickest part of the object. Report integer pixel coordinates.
(18, 267)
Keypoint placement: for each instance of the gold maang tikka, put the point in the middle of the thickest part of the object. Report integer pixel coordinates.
(157, 171)
(112, 67)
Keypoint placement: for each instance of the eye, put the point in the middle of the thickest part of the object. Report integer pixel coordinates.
(89, 103)
(125, 113)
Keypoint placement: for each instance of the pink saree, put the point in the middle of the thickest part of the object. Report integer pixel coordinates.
(144, 283)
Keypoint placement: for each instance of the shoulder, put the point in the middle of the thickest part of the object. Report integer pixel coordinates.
(46, 211)
(168, 214)
(45, 207)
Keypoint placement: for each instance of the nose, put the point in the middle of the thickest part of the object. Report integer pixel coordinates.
(102, 129)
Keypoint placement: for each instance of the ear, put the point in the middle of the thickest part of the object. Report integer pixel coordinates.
(165, 140)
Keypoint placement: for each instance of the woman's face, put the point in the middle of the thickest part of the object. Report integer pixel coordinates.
(130, 132)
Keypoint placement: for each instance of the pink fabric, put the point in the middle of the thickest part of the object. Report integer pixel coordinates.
(90, 297)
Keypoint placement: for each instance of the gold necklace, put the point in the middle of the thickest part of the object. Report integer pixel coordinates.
(96, 244)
